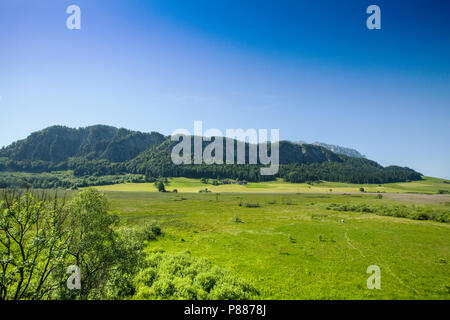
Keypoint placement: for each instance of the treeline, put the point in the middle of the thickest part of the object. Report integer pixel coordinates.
(102, 172)
(65, 180)
(360, 171)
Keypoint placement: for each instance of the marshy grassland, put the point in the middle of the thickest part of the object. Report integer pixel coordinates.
(303, 245)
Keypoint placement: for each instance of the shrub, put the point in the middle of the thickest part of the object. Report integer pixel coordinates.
(149, 231)
(181, 277)
(252, 205)
(160, 186)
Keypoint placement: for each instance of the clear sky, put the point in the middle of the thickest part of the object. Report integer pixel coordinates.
(309, 68)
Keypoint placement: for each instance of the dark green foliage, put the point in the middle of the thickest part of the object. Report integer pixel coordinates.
(64, 180)
(360, 171)
(252, 205)
(160, 186)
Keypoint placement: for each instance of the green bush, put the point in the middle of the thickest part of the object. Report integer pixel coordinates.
(182, 277)
(149, 231)
(160, 186)
(252, 205)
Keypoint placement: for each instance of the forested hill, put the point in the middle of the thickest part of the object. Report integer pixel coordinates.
(104, 150)
(298, 163)
(56, 144)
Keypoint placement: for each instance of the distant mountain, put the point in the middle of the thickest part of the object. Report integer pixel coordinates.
(337, 149)
(104, 150)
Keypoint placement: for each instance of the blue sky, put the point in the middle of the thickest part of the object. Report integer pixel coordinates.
(309, 68)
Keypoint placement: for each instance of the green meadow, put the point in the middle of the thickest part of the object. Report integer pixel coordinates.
(291, 241)
(426, 186)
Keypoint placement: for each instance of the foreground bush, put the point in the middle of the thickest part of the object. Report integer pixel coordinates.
(182, 277)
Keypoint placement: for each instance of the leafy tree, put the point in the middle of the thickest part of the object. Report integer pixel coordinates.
(41, 236)
(33, 245)
(93, 246)
(160, 186)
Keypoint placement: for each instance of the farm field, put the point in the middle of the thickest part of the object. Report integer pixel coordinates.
(295, 246)
(426, 186)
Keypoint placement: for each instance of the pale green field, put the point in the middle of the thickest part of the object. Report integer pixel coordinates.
(427, 186)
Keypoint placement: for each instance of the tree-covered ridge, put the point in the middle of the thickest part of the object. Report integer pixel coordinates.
(58, 143)
(107, 151)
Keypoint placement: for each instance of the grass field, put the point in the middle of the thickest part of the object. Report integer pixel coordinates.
(290, 246)
(426, 186)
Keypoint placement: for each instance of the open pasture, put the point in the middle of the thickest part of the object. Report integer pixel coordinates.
(292, 247)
